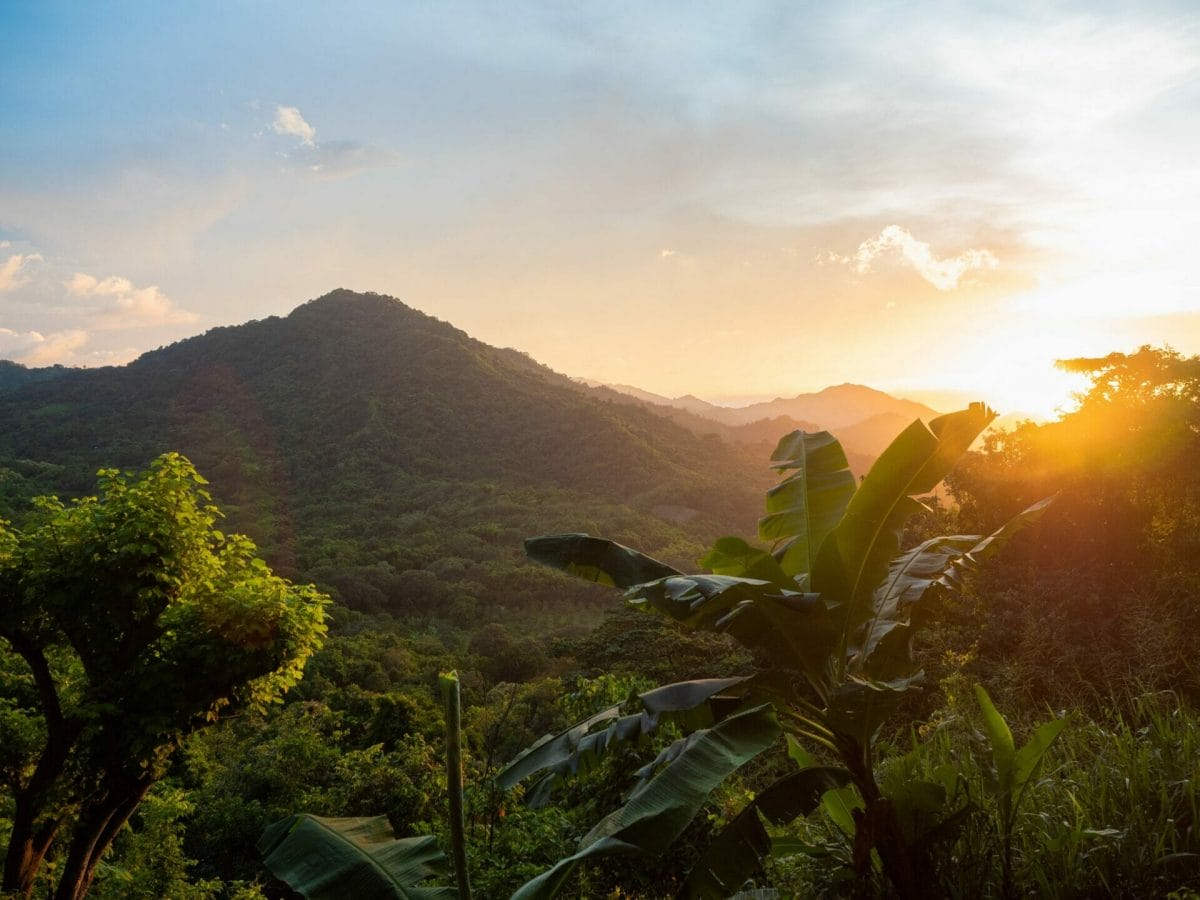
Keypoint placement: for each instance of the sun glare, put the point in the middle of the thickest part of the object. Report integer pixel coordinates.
(1014, 371)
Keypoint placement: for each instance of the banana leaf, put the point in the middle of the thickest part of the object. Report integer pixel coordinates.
(656, 814)
(330, 859)
(854, 559)
(804, 507)
(737, 853)
(882, 648)
(792, 628)
(734, 556)
(596, 559)
(694, 704)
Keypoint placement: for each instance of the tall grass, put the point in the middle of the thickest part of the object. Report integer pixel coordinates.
(1114, 812)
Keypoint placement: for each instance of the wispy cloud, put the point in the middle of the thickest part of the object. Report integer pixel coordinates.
(288, 121)
(944, 273)
(13, 272)
(327, 159)
(127, 306)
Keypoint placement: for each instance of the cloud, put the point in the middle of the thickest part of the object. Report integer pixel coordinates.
(32, 348)
(289, 121)
(12, 272)
(943, 273)
(327, 159)
(127, 306)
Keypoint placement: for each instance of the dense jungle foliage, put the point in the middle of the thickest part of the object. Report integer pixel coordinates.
(1092, 616)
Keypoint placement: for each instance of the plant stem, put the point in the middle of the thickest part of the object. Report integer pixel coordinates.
(454, 781)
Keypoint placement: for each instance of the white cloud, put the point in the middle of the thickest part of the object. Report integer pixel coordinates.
(327, 159)
(127, 306)
(289, 121)
(12, 272)
(32, 348)
(943, 273)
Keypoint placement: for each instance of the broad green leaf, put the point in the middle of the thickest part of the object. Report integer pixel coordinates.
(1002, 535)
(330, 859)
(840, 805)
(657, 814)
(794, 629)
(576, 750)
(799, 754)
(552, 749)
(910, 576)
(1028, 759)
(737, 853)
(596, 559)
(804, 507)
(854, 559)
(700, 703)
(1001, 739)
(685, 695)
(881, 647)
(733, 556)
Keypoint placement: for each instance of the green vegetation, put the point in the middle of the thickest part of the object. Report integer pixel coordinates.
(398, 465)
(130, 622)
(832, 611)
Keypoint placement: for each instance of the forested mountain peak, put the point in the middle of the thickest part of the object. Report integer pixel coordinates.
(355, 409)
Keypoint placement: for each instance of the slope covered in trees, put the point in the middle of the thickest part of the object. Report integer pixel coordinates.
(382, 451)
(398, 463)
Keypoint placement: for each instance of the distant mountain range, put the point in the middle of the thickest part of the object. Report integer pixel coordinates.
(834, 407)
(865, 420)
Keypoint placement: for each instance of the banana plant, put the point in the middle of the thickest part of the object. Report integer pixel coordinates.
(830, 602)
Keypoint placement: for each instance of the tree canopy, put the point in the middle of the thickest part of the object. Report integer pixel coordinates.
(130, 622)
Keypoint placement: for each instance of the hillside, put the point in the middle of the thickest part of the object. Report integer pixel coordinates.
(360, 442)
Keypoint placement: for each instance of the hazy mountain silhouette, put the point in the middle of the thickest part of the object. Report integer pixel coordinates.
(865, 420)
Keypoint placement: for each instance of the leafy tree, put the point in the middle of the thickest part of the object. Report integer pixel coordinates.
(1100, 603)
(136, 623)
(830, 612)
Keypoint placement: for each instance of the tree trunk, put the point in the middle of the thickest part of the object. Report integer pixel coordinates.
(98, 826)
(28, 843)
(26, 850)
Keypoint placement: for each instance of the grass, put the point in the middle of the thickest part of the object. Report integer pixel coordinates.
(1113, 813)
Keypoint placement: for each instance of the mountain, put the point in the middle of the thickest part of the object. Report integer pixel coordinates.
(833, 408)
(863, 419)
(386, 453)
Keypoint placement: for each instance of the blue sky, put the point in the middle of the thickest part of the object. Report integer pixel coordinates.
(727, 199)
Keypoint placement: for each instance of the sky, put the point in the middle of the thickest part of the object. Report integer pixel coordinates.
(734, 200)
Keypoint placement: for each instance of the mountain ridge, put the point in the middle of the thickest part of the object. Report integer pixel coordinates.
(359, 441)
(836, 406)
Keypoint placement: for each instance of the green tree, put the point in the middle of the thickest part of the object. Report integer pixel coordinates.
(1100, 603)
(136, 623)
(829, 611)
